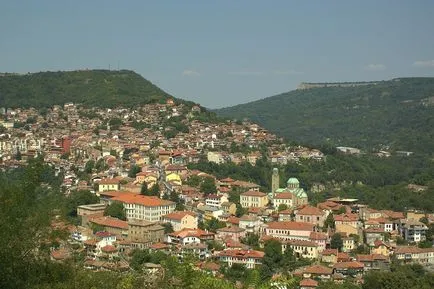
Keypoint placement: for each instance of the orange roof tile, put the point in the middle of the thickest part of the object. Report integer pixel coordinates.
(348, 265)
(109, 222)
(178, 215)
(253, 194)
(147, 201)
(309, 210)
(318, 269)
(308, 283)
(288, 225)
(242, 253)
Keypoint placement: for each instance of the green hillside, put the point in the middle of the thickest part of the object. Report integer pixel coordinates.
(103, 88)
(398, 114)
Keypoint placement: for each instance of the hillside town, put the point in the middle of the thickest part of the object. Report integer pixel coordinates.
(136, 163)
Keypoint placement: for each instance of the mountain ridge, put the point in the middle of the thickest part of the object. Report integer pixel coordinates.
(377, 116)
(101, 88)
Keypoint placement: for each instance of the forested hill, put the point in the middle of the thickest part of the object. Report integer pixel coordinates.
(398, 114)
(102, 88)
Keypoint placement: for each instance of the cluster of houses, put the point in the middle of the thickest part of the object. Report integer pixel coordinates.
(72, 137)
(283, 214)
(124, 137)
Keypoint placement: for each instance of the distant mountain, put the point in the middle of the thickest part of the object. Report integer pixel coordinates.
(102, 88)
(398, 114)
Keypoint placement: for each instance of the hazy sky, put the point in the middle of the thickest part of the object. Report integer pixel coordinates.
(220, 53)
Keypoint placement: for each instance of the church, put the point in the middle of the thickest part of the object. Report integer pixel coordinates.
(292, 196)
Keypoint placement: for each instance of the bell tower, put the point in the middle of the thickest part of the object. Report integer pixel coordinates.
(275, 180)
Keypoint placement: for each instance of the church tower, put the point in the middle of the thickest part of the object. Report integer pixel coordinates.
(275, 180)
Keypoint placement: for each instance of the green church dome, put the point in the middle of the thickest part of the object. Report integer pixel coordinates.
(292, 181)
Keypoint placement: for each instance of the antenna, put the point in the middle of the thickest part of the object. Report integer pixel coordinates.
(118, 64)
(109, 66)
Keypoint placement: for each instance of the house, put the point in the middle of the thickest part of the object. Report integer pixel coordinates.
(181, 220)
(250, 223)
(285, 215)
(411, 255)
(91, 210)
(199, 250)
(320, 239)
(412, 230)
(150, 178)
(311, 215)
(373, 234)
(347, 223)
(253, 199)
(318, 272)
(248, 258)
(350, 268)
(173, 177)
(233, 232)
(187, 236)
(207, 212)
(109, 185)
(288, 230)
(374, 261)
(142, 207)
(302, 248)
(143, 233)
(283, 199)
(329, 256)
(308, 284)
(229, 208)
(110, 224)
(94, 246)
(348, 243)
(214, 200)
(382, 248)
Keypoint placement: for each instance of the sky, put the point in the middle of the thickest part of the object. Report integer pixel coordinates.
(225, 52)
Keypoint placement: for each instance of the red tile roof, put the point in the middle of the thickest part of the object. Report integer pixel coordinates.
(348, 265)
(253, 194)
(191, 233)
(346, 217)
(242, 254)
(109, 222)
(308, 283)
(318, 236)
(288, 225)
(319, 270)
(109, 249)
(286, 196)
(178, 215)
(309, 210)
(147, 201)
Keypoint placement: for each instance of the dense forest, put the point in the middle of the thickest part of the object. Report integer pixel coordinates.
(396, 114)
(93, 88)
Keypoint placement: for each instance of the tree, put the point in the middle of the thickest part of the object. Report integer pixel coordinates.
(329, 222)
(251, 239)
(213, 224)
(78, 198)
(272, 258)
(282, 207)
(336, 242)
(208, 186)
(168, 228)
(115, 210)
(194, 181)
(88, 167)
(144, 189)
(134, 169)
(289, 261)
(155, 190)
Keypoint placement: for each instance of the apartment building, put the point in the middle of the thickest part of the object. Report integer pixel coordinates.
(253, 199)
(148, 208)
